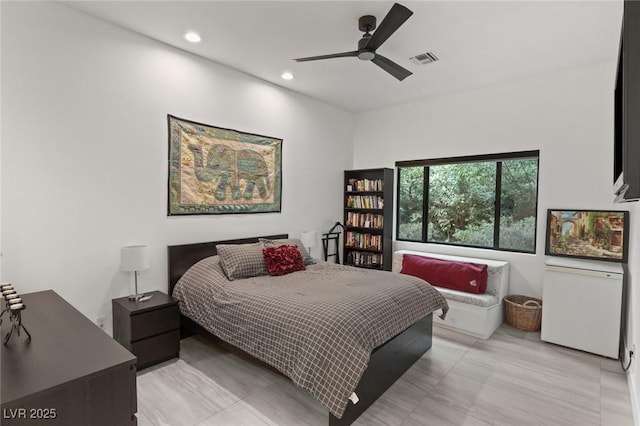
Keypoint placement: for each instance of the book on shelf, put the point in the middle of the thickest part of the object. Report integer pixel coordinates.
(365, 220)
(364, 185)
(372, 260)
(363, 241)
(365, 202)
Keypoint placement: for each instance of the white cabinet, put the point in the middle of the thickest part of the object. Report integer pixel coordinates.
(581, 304)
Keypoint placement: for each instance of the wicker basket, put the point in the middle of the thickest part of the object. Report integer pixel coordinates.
(523, 312)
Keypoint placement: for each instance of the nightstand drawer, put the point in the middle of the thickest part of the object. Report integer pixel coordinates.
(155, 349)
(154, 322)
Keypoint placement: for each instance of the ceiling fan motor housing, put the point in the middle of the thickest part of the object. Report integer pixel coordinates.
(367, 23)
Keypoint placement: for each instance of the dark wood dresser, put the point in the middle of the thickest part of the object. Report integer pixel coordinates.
(70, 373)
(149, 329)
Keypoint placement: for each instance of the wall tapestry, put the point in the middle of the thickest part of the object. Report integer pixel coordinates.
(219, 171)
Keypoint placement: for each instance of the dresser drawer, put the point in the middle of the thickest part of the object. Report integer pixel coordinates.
(156, 349)
(146, 324)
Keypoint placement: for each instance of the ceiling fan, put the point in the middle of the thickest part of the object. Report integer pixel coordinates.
(369, 43)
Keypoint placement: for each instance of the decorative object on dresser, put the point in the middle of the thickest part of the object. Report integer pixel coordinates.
(13, 307)
(135, 259)
(72, 372)
(309, 239)
(222, 171)
(8, 294)
(150, 330)
(368, 218)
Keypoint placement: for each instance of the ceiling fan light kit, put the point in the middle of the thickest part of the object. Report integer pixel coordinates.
(369, 43)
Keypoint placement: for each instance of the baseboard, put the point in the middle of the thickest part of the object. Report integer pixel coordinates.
(635, 398)
(633, 389)
(461, 330)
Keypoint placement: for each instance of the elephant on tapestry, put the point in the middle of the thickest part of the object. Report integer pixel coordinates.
(231, 166)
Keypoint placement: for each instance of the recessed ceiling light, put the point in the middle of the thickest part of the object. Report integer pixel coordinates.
(192, 37)
(287, 75)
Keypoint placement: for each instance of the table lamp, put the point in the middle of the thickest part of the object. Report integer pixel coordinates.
(135, 258)
(309, 240)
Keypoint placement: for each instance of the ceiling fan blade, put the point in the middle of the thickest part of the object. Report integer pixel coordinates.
(391, 67)
(394, 19)
(334, 55)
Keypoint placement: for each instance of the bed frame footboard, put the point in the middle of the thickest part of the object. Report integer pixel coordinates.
(386, 365)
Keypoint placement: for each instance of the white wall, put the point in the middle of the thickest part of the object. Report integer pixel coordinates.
(0, 150)
(568, 116)
(84, 152)
(633, 306)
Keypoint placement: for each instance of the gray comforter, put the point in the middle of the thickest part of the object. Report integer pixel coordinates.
(318, 326)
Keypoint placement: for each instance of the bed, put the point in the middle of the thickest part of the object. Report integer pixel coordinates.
(290, 322)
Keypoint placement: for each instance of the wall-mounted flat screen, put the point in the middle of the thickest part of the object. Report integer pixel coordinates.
(588, 234)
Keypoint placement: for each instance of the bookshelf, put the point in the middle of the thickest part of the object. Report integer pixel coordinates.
(368, 218)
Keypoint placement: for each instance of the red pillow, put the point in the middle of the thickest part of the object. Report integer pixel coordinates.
(283, 260)
(454, 275)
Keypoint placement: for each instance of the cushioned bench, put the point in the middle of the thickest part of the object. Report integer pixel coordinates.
(475, 314)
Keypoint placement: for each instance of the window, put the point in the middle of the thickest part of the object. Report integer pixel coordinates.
(487, 201)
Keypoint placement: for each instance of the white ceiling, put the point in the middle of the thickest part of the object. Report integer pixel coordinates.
(479, 43)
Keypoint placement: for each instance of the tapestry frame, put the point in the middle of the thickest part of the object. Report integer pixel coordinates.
(215, 170)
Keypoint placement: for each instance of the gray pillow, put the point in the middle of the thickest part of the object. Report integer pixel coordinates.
(242, 260)
(306, 258)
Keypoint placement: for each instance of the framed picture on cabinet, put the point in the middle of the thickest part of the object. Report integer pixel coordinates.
(588, 234)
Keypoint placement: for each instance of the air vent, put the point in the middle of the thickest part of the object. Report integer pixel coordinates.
(424, 58)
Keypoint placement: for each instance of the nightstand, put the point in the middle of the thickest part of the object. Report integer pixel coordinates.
(150, 330)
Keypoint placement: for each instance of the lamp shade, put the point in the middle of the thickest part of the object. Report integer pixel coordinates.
(134, 258)
(309, 238)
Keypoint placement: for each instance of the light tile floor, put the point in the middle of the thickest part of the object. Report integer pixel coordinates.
(511, 379)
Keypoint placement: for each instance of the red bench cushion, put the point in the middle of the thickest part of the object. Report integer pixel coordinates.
(462, 276)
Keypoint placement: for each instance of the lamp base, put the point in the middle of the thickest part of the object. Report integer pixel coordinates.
(140, 297)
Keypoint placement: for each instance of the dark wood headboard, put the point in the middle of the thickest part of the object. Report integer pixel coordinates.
(183, 257)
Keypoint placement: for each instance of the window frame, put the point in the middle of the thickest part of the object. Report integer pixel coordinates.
(498, 158)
